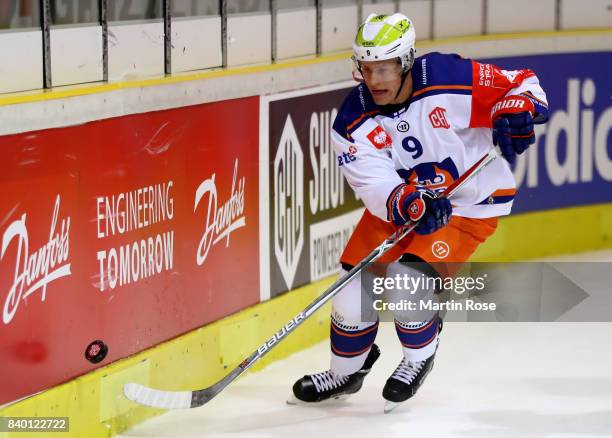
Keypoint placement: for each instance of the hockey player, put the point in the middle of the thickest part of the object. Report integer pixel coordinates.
(407, 131)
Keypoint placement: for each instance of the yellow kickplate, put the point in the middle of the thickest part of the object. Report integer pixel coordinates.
(236, 341)
(112, 401)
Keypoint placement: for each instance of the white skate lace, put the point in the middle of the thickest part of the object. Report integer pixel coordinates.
(327, 381)
(407, 371)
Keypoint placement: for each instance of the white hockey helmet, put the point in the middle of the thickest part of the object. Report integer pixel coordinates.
(382, 37)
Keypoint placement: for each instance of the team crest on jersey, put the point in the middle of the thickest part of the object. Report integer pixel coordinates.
(352, 149)
(438, 118)
(379, 138)
(434, 176)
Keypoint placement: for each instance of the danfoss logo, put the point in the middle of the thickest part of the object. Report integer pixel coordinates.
(288, 202)
(35, 271)
(221, 220)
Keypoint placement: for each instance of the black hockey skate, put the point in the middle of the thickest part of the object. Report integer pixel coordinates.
(405, 381)
(326, 385)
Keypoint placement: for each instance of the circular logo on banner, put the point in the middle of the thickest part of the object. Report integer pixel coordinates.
(440, 249)
(352, 150)
(403, 126)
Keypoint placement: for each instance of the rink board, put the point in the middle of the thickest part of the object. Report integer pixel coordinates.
(95, 403)
(552, 179)
(552, 232)
(129, 230)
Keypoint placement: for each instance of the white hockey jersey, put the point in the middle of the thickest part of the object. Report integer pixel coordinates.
(433, 138)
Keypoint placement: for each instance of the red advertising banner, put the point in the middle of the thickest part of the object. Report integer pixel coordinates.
(130, 230)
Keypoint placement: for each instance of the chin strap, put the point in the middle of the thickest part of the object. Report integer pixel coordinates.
(404, 76)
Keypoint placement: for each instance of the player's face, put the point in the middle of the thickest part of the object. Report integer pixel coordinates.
(383, 78)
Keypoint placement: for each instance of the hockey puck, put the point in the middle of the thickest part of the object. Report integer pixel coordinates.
(96, 351)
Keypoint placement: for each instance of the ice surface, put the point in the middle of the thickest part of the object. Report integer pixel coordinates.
(490, 380)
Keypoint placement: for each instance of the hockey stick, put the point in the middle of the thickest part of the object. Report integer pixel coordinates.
(193, 399)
